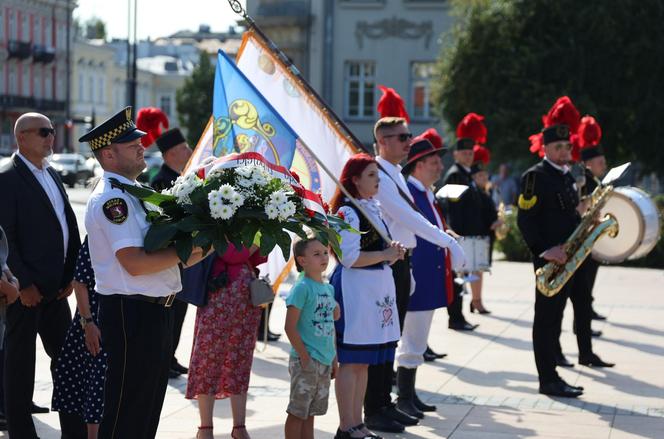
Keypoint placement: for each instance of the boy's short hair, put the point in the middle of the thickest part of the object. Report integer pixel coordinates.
(385, 122)
(300, 247)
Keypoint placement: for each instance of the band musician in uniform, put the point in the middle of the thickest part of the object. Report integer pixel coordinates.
(547, 216)
(136, 289)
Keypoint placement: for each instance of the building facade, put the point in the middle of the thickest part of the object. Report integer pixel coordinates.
(346, 48)
(33, 64)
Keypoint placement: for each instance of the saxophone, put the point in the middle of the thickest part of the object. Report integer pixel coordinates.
(553, 276)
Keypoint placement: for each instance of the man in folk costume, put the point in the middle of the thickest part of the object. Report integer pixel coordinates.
(176, 153)
(592, 155)
(463, 213)
(431, 270)
(403, 218)
(563, 112)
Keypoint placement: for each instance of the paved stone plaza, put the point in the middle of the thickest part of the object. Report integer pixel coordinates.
(486, 387)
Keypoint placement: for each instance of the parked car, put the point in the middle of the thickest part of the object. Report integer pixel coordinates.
(72, 168)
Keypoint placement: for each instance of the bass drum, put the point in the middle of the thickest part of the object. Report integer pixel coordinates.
(638, 220)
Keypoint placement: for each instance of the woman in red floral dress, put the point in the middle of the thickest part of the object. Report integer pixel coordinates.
(224, 341)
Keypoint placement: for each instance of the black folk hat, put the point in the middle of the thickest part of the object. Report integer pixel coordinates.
(119, 128)
(170, 139)
(555, 133)
(419, 149)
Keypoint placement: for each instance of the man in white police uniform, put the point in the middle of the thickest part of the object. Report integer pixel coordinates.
(136, 288)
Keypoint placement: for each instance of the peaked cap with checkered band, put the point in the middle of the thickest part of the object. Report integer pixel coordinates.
(116, 129)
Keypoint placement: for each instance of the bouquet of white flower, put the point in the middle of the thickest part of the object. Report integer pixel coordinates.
(241, 199)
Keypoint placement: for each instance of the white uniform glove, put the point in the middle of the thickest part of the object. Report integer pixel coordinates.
(457, 255)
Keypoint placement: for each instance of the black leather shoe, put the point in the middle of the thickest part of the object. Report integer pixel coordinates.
(399, 416)
(36, 409)
(271, 336)
(382, 422)
(422, 405)
(594, 361)
(430, 355)
(563, 362)
(595, 333)
(573, 387)
(596, 316)
(177, 367)
(461, 326)
(172, 374)
(3, 422)
(559, 388)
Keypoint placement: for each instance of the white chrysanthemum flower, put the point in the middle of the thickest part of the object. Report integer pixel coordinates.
(259, 179)
(245, 171)
(286, 210)
(226, 191)
(245, 182)
(226, 211)
(278, 197)
(237, 199)
(271, 211)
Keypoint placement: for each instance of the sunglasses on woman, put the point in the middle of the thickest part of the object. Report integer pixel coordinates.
(402, 136)
(41, 132)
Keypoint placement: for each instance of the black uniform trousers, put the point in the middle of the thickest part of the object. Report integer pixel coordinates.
(179, 313)
(580, 294)
(379, 379)
(51, 320)
(137, 337)
(454, 310)
(547, 323)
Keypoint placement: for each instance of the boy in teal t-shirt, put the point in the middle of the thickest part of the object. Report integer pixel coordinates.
(310, 318)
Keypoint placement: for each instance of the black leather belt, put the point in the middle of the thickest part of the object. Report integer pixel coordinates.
(166, 301)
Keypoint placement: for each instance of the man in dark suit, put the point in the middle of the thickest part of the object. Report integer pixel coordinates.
(43, 244)
(176, 153)
(463, 217)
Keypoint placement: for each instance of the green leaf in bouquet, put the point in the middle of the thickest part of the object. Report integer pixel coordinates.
(284, 243)
(152, 216)
(268, 242)
(142, 193)
(296, 227)
(334, 240)
(248, 233)
(183, 248)
(220, 245)
(159, 236)
(251, 214)
(191, 224)
(199, 196)
(236, 240)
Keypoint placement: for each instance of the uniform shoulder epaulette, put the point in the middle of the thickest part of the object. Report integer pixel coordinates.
(527, 199)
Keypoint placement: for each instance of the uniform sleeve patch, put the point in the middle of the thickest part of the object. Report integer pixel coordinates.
(528, 198)
(116, 210)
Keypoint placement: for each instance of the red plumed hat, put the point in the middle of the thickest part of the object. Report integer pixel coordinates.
(537, 144)
(472, 127)
(391, 104)
(590, 133)
(563, 112)
(481, 154)
(151, 120)
(432, 136)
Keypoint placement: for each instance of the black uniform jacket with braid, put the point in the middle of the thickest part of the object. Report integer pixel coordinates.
(464, 215)
(547, 208)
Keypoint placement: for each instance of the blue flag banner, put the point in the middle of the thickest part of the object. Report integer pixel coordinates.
(244, 121)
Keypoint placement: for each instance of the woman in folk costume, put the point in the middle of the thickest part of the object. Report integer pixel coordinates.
(368, 329)
(431, 270)
(489, 217)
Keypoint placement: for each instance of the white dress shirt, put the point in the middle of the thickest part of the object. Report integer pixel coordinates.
(402, 220)
(52, 191)
(127, 228)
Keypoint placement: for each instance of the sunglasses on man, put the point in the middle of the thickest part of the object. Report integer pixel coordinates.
(402, 136)
(41, 132)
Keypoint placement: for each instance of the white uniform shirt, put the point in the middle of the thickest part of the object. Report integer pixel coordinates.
(49, 185)
(402, 220)
(115, 220)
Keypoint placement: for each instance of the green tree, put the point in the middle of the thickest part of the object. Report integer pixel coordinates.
(194, 99)
(95, 28)
(510, 59)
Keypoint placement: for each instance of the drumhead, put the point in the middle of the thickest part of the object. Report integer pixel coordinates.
(638, 223)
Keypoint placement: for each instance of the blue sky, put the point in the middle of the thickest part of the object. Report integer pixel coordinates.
(158, 18)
